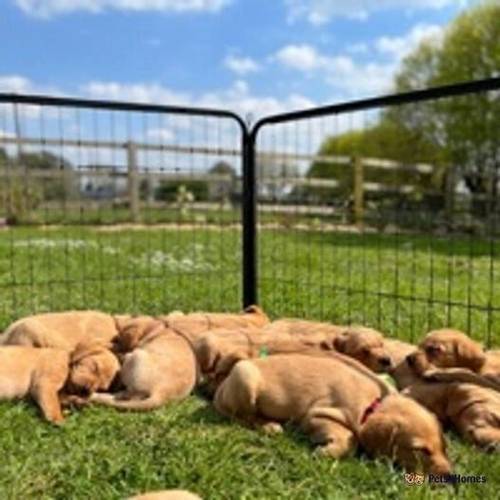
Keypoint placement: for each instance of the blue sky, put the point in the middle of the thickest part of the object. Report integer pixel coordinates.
(259, 56)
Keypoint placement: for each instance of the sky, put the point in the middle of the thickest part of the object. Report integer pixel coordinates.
(252, 56)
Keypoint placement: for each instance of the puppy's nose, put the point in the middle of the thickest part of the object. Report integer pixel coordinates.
(385, 361)
(442, 468)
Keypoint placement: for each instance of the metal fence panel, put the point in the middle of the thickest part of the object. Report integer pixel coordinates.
(118, 206)
(384, 211)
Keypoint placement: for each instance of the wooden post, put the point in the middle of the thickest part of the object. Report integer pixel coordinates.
(358, 190)
(133, 182)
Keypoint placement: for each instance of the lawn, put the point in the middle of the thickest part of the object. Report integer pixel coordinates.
(402, 284)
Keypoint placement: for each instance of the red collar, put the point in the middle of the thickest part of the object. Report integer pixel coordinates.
(372, 408)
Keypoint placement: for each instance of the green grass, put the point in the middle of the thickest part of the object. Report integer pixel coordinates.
(100, 453)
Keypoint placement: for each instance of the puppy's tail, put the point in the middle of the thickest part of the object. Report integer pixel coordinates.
(155, 400)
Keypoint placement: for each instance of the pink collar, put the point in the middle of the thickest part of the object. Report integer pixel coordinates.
(372, 408)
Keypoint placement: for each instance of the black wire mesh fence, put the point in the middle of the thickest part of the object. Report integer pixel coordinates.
(381, 212)
(118, 207)
(384, 212)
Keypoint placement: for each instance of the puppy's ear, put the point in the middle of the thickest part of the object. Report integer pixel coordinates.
(121, 321)
(85, 349)
(328, 344)
(378, 435)
(470, 354)
(340, 342)
(253, 309)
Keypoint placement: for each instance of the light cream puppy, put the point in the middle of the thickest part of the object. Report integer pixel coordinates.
(160, 368)
(50, 376)
(339, 404)
(61, 330)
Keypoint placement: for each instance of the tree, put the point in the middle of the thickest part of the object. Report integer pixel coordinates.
(385, 139)
(465, 128)
(56, 188)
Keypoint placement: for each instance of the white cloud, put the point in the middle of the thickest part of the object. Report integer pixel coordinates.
(301, 57)
(49, 8)
(241, 65)
(15, 83)
(237, 97)
(340, 71)
(399, 47)
(318, 12)
(138, 92)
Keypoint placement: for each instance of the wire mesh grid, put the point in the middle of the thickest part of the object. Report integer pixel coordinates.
(119, 208)
(383, 215)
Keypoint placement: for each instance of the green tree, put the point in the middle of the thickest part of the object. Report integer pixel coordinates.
(53, 188)
(387, 140)
(465, 128)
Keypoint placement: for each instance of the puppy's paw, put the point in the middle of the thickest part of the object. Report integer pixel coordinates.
(58, 421)
(272, 428)
(332, 449)
(73, 401)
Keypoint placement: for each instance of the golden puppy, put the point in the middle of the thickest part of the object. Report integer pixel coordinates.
(37, 373)
(447, 348)
(161, 367)
(167, 495)
(218, 350)
(314, 332)
(339, 403)
(61, 330)
(50, 375)
(473, 411)
(92, 367)
(366, 345)
(402, 374)
(192, 325)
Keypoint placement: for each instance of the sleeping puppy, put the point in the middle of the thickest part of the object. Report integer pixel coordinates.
(217, 351)
(192, 325)
(161, 367)
(92, 367)
(448, 348)
(473, 411)
(314, 332)
(50, 376)
(366, 345)
(400, 371)
(339, 403)
(61, 330)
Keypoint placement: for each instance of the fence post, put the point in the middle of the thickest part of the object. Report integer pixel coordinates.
(133, 181)
(358, 190)
(249, 214)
